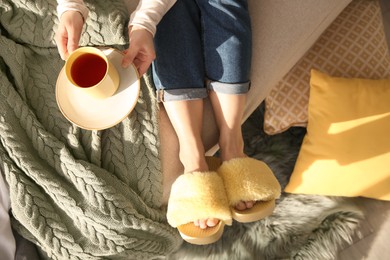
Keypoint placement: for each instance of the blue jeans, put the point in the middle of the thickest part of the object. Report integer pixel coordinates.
(203, 45)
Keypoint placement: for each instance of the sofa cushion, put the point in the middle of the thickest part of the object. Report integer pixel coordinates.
(283, 31)
(354, 45)
(346, 150)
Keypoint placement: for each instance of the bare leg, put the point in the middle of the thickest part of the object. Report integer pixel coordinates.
(169, 153)
(186, 117)
(229, 111)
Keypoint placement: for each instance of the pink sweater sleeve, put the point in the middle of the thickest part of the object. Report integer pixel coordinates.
(74, 5)
(149, 13)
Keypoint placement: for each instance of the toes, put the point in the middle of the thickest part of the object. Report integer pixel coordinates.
(249, 204)
(212, 222)
(205, 223)
(243, 205)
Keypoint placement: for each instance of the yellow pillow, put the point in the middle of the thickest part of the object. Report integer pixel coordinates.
(346, 150)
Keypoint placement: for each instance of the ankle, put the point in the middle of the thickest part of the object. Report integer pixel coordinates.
(231, 153)
(231, 146)
(193, 158)
(194, 164)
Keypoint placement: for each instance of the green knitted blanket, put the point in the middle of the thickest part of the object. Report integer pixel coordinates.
(77, 194)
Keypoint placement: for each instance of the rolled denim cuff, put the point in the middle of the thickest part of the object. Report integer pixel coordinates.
(164, 95)
(229, 88)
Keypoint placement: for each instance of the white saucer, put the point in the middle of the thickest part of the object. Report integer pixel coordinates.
(97, 114)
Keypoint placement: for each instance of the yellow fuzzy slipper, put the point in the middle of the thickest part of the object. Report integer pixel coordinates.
(248, 179)
(198, 195)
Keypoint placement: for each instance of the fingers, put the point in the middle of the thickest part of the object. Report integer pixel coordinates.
(129, 57)
(142, 67)
(73, 41)
(66, 44)
(137, 57)
(141, 51)
(69, 33)
(61, 41)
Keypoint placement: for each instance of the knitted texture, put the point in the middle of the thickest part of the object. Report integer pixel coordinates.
(76, 194)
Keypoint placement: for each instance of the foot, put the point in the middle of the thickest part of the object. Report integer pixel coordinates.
(197, 162)
(231, 148)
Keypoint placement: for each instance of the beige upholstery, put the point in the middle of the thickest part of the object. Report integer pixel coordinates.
(282, 32)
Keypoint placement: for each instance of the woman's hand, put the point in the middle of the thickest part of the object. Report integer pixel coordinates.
(69, 33)
(141, 50)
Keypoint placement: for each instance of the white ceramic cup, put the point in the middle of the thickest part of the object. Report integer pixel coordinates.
(90, 72)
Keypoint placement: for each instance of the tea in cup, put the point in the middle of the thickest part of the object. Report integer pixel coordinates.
(90, 71)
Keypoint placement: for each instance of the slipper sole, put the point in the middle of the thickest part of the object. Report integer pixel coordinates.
(197, 236)
(260, 210)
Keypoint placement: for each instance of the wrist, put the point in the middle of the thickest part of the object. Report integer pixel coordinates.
(76, 6)
(72, 13)
(139, 27)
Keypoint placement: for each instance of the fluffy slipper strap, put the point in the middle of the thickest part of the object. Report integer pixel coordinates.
(248, 179)
(198, 195)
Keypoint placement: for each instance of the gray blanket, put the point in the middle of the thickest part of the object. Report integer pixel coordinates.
(76, 194)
